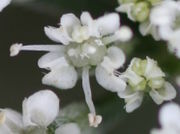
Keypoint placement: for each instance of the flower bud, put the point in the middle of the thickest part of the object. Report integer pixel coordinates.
(140, 11)
(139, 66)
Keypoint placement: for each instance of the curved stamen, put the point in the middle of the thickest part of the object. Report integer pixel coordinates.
(87, 90)
(94, 120)
(16, 48)
(123, 34)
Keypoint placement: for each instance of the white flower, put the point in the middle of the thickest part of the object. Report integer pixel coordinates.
(169, 118)
(85, 45)
(39, 110)
(145, 76)
(164, 24)
(10, 122)
(69, 128)
(3, 4)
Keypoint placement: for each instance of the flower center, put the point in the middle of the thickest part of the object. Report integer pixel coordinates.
(89, 52)
(80, 34)
(139, 67)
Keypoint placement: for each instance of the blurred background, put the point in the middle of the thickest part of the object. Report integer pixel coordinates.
(23, 22)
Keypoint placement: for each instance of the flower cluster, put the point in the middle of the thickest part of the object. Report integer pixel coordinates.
(165, 18)
(145, 76)
(160, 18)
(169, 119)
(36, 116)
(86, 44)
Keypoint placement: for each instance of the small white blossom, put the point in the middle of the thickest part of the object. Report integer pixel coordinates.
(10, 122)
(85, 45)
(164, 24)
(145, 76)
(169, 118)
(39, 110)
(3, 4)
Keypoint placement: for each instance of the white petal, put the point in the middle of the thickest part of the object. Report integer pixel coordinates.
(11, 121)
(108, 80)
(57, 35)
(86, 18)
(126, 8)
(62, 77)
(170, 115)
(52, 59)
(3, 4)
(162, 16)
(133, 77)
(148, 28)
(108, 24)
(133, 99)
(167, 93)
(152, 69)
(40, 108)
(134, 103)
(170, 92)
(115, 58)
(91, 24)
(157, 98)
(70, 128)
(69, 22)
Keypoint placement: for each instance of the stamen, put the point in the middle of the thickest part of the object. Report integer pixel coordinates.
(123, 34)
(94, 120)
(16, 48)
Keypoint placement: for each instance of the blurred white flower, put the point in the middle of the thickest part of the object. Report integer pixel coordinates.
(169, 118)
(85, 45)
(10, 122)
(164, 24)
(137, 10)
(3, 4)
(145, 76)
(39, 110)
